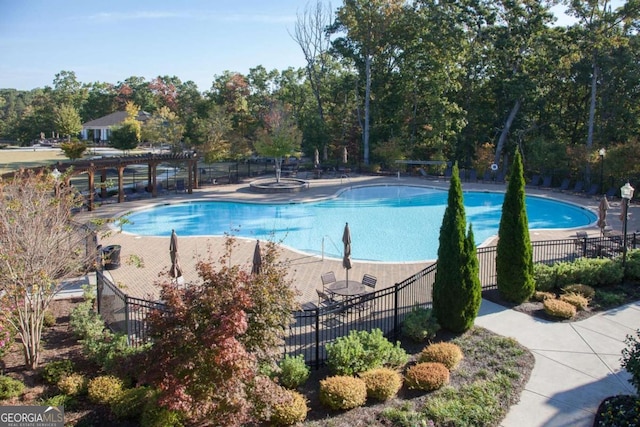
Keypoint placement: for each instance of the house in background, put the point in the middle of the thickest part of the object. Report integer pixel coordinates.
(99, 130)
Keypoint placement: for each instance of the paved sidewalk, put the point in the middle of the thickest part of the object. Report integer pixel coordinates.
(577, 365)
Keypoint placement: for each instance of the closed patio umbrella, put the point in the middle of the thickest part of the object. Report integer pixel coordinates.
(316, 158)
(602, 213)
(176, 270)
(345, 157)
(346, 258)
(325, 154)
(257, 259)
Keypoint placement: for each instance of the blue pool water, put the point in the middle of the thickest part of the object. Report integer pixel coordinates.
(387, 223)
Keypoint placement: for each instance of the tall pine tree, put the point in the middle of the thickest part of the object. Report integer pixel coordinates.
(514, 258)
(457, 289)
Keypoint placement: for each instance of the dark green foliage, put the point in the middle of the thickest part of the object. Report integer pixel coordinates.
(293, 371)
(631, 359)
(361, 351)
(52, 372)
(420, 324)
(10, 387)
(514, 257)
(457, 289)
(587, 271)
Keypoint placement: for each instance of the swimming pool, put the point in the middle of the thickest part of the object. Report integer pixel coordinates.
(392, 223)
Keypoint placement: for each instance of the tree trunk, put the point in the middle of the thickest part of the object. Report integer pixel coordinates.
(592, 116)
(367, 95)
(505, 130)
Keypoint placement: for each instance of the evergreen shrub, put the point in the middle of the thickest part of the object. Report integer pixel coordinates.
(576, 300)
(343, 392)
(293, 371)
(73, 384)
(10, 387)
(362, 350)
(52, 372)
(427, 376)
(584, 290)
(293, 410)
(558, 308)
(130, 403)
(104, 389)
(382, 383)
(420, 324)
(449, 354)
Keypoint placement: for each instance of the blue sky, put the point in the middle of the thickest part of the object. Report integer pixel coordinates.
(110, 40)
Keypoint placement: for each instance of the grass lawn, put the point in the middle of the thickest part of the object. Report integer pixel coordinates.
(11, 159)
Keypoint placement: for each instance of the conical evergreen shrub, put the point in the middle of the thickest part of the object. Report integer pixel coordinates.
(457, 290)
(514, 257)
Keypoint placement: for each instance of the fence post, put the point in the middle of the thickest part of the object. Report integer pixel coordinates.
(317, 312)
(395, 312)
(99, 285)
(126, 319)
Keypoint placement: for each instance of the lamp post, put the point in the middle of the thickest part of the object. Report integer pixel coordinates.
(602, 152)
(626, 191)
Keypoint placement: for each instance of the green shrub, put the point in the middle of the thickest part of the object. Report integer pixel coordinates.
(104, 389)
(632, 271)
(609, 299)
(427, 376)
(576, 300)
(420, 325)
(361, 350)
(154, 415)
(48, 319)
(293, 410)
(130, 403)
(10, 387)
(446, 353)
(85, 322)
(631, 359)
(405, 416)
(584, 290)
(69, 402)
(382, 383)
(342, 392)
(545, 277)
(52, 372)
(593, 272)
(541, 296)
(557, 308)
(293, 371)
(73, 384)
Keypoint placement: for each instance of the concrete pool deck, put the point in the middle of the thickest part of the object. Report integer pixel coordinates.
(137, 279)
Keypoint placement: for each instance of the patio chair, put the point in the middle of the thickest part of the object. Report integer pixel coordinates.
(369, 280)
(546, 182)
(325, 300)
(366, 302)
(327, 279)
(564, 186)
(579, 187)
(593, 190)
(535, 181)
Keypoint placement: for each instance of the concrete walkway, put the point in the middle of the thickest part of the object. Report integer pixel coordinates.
(577, 364)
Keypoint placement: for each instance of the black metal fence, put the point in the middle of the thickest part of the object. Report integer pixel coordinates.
(385, 309)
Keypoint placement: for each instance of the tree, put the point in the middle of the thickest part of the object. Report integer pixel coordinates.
(73, 149)
(38, 247)
(213, 132)
(457, 289)
(514, 254)
(206, 347)
(127, 136)
(280, 137)
(67, 121)
(164, 127)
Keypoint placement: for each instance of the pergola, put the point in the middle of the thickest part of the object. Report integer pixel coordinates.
(94, 166)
